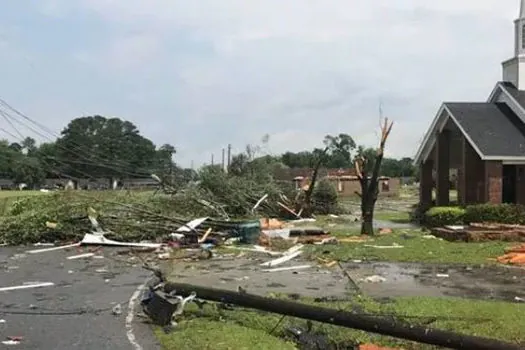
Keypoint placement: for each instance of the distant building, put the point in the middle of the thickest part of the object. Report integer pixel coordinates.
(345, 181)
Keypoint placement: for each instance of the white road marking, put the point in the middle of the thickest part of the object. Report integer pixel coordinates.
(131, 314)
(26, 286)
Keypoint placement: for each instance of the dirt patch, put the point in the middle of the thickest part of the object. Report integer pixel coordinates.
(398, 279)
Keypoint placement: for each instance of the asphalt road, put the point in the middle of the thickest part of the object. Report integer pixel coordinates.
(76, 312)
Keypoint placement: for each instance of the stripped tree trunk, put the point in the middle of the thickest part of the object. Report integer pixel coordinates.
(369, 182)
(306, 207)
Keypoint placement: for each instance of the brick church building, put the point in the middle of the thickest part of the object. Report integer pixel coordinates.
(483, 141)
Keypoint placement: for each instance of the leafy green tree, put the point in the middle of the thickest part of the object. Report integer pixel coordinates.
(27, 169)
(324, 198)
(304, 159)
(47, 154)
(102, 147)
(340, 149)
(29, 145)
(15, 146)
(165, 165)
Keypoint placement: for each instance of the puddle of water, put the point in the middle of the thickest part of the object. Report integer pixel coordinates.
(439, 280)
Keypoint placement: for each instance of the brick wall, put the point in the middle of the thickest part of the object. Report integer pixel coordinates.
(474, 176)
(494, 181)
(520, 184)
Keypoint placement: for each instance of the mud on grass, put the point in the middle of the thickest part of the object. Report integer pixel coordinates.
(239, 328)
(416, 248)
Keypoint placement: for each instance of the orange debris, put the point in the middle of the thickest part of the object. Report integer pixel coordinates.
(385, 231)
(514, 256)
(271, 224)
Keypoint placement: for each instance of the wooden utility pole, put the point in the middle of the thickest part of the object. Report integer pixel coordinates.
(365, 322)
(223, 160)
(229, 155)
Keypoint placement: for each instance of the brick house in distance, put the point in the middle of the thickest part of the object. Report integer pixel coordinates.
(345, 181)
(483, 141)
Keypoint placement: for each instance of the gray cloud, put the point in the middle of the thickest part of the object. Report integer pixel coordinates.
(213, 72)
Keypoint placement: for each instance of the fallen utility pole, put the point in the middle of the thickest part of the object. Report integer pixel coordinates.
(367, 323)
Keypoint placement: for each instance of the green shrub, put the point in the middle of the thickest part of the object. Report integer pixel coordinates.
(324, 198)
(500, 213)
(441, 216)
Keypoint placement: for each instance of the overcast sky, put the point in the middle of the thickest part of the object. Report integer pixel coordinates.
(200, 74)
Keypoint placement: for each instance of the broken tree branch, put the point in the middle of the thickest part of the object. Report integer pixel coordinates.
(366, 323)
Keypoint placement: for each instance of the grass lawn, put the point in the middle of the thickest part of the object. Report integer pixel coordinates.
(8, 197)
(250, 329)
(417, 248)
(15, 194)
(400, 217)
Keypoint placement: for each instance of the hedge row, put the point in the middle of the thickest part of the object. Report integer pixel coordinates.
(500, 213)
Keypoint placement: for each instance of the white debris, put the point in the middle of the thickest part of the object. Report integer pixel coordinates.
(279, 269)
(52, 249)
(455, 227)
(117, 310)
(393, 246)
(277, 233)
(375, 279)
(190, 226)
(442, 275)
(92, 239)
(80, 256)
(282, 259)
(43, 244)
(10, 342)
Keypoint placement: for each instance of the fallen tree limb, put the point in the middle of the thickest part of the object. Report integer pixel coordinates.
(345, 319)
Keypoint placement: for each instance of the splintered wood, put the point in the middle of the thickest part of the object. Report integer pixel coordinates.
(481, 232)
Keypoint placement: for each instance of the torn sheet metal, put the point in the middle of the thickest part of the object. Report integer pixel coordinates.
(92, 239)
(27, 286)
(43, 250)
(190, 226)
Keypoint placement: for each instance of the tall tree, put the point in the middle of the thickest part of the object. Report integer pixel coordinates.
(166, 166)
(340, 149)
(102, 147)
(303, 159)
(29, 145)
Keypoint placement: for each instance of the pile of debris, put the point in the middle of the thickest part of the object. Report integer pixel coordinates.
(126, 216)
(481, 232)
